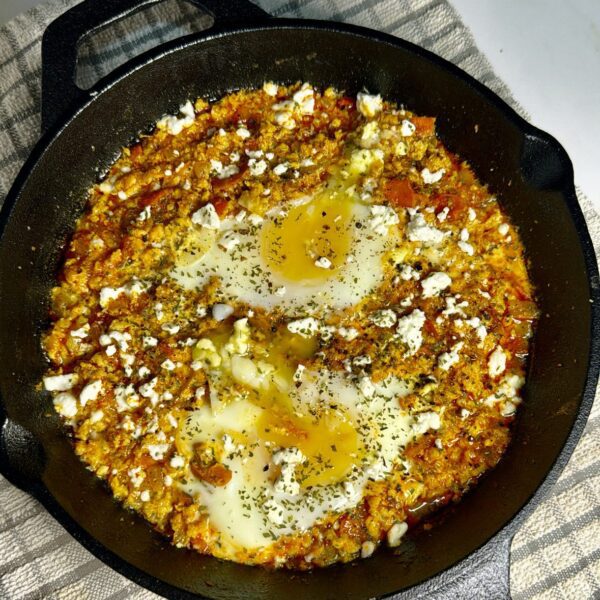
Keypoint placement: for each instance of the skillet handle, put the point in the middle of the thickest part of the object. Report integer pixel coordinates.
(62, 37)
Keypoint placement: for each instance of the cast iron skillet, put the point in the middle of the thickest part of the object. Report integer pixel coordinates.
(467, 554)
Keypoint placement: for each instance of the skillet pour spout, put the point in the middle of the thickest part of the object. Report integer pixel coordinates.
(467, 553)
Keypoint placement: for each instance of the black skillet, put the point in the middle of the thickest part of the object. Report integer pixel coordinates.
(467, 555)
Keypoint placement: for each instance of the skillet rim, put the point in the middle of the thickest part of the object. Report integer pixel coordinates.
(38, 490)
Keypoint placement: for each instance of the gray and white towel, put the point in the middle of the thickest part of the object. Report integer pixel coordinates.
(556, 554)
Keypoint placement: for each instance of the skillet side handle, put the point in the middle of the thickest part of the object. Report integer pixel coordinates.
(62, 37)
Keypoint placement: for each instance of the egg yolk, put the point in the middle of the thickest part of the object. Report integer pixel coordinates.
(329, 442)
(311, 241)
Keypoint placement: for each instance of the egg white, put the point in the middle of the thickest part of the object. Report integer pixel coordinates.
(233, 255)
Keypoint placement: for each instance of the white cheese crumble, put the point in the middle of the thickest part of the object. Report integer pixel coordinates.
(287, 459)
(65, 404)
(385, 317)
(407, 128)
(220, 312)
(323, 263)
(175, 125)
(158, 451)
(503, 229)
(177, 462)
(396, 533)
(257, 167)
(168, 365)
(368, 105)
(418, 230)
(429, 177)
(207, 217)
(60, 383)
(443, 214)
(307, 327)
(449, 359)
(223, 171)
(280, 169)
(407, 273)
(82, 332)
(96, 416)
(243, 133)
(497, 362)
(171, 328)
(367, 549)
(370, 135)
(348, 333)
(305, 99)
(466, 248)
(90, 392)
(134, 287)
(434, 284)
(149, 342)
(382, 217)
(270, 88)
(409, 330)
(229, 240)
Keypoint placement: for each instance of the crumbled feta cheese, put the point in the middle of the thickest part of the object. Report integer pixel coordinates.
(90, 392)
(280, 169)
(449, 359)
(207, 217)
(126, 398)
(96, 416)
(305, 99)
(497, 362)
(145, 496)
(175, 125)
(129, 289)
(65, 404)
(168, 365)
(257, 167)
(220, 312)
(429, 177)
(82, 332)
(418, 230)
(157, 451)
(171, 328)
(503, 229)
(407, 128)
(454, 307)
(223, 171)
(466, 248)
(243, 133)
(348, 333)
(401, 149)
(270, 88)
(367, 549)
(385, 317)
(307, 327)
(396, 533)
(60, 383)
(368, 105)
(409, 330)
(370, 135)
(149, 341)
(425, 421)
(407, 273)
(280, 291)
(177, 462)
(122, 195)
(382, 217)
(137, 476)
(472, 214)
(323, 263)
(298, 373)
(287, 459)
(434, 284)
(111, 350)
(443, 214)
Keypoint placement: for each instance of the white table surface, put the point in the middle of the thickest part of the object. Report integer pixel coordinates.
(547, 51)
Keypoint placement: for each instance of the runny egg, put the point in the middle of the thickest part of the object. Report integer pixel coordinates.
(295, 445)
(318, 253)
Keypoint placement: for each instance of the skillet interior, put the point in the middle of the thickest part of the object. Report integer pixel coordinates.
(529, 172)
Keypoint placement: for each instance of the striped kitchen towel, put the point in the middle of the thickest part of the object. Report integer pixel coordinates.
(556, 554)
